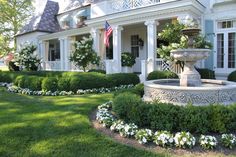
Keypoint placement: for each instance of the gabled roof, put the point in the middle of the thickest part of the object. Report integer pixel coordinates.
(45, 21)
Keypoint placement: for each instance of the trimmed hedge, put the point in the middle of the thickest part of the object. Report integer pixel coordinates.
(50, 84)
(206, 73)
(162, 116)
(161, 75)
(67, 81)
(98, 71)
(232, 76)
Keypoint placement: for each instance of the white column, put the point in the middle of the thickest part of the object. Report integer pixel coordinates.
(67, 50)
(42, 54)
(151, 44)
(96, 40)
(117, 48)
(62, 49)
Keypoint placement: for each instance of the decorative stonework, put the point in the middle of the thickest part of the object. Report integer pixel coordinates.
(222, 94)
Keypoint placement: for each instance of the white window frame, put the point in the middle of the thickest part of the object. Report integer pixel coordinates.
(225, 31)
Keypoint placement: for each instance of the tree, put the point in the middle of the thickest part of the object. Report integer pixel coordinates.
(13, 15)
(84, 54)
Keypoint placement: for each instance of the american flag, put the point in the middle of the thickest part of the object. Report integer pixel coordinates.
(107, 33)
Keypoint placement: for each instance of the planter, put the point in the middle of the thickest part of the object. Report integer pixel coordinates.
(127, 69)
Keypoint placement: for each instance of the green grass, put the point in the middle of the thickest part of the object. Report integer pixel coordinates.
(32, 126)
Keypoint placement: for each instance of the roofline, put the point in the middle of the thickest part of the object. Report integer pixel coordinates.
(80, 7)
(43, 31)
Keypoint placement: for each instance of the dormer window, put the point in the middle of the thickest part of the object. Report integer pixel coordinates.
(65, 22)
(80, 17)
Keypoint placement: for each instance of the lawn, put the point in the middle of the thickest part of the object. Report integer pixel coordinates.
(32, 126)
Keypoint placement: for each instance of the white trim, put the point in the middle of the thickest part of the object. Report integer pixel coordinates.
(71, 32)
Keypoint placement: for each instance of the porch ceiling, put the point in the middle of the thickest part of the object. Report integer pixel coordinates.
(157, 12)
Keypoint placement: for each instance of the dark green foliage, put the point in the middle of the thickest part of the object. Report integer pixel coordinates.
(13, 67)
(161, 116)
(206, 73)
(125, 105)
(161, 75)
(139, 88)
(123, 79)
(31, 82)
(194, 119)
(64, 84)
(98, 71)
(70, 81)
(232, 76)
(50, 84)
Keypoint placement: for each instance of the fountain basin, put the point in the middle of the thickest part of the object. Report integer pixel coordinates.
(210, 92)
(190, 55)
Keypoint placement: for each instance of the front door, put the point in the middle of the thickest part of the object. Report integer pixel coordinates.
(136, 52)
(226, 52)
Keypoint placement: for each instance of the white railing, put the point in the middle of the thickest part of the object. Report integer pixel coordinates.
(122, 5)
(171, 66)
(53, 65)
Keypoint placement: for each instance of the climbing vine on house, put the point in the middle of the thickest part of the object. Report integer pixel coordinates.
(84, 55)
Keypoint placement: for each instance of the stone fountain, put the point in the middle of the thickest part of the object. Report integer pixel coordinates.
(190, 88)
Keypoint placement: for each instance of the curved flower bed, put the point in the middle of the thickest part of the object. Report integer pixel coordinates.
(161, 138)
(14, 89)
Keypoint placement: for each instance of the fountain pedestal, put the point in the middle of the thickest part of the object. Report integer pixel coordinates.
(190, 77)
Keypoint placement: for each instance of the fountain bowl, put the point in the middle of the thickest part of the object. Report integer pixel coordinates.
(190, 55)
(210, 92)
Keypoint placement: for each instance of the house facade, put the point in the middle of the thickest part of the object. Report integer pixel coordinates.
(135, 25)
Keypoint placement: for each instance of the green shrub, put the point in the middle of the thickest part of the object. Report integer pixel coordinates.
(98, 71)
(50, 84)
(31, 82)
(161, 75)
(232, 76)
(206, 73)
(20, 81)
(194, 119)
(64, 84)
(162, 116)
(125, 106)
(123, 79)
(139, 88)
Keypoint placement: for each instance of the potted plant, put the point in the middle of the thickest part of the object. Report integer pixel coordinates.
(127, 62)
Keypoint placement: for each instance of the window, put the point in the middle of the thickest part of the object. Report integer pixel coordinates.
(227, 24)
(135, 45)
(220, 50)
(231, 49)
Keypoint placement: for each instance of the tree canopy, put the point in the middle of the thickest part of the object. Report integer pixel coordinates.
(13, 15)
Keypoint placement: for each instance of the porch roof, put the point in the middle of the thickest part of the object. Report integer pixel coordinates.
(66, 33)
(155, 12)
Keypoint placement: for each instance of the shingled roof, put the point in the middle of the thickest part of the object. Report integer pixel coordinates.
(45, 21)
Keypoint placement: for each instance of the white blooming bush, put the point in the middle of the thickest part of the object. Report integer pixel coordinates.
(144, 136)
(84, 54)
(228, 140)
(207, 142)
(27, 57)
(26, 91)
(163, 138)
(117, 125)
(184, 140)
(106, 105)
(128, 130)
(104, 116)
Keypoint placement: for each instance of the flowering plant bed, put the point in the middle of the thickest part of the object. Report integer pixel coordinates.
(184, 140)
(26, 91)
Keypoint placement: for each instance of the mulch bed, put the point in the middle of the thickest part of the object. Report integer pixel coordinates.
(196, 151)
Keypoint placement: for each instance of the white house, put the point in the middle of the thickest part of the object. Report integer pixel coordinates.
(135, 26)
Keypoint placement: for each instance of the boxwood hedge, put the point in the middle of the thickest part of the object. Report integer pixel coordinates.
(162, 116)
